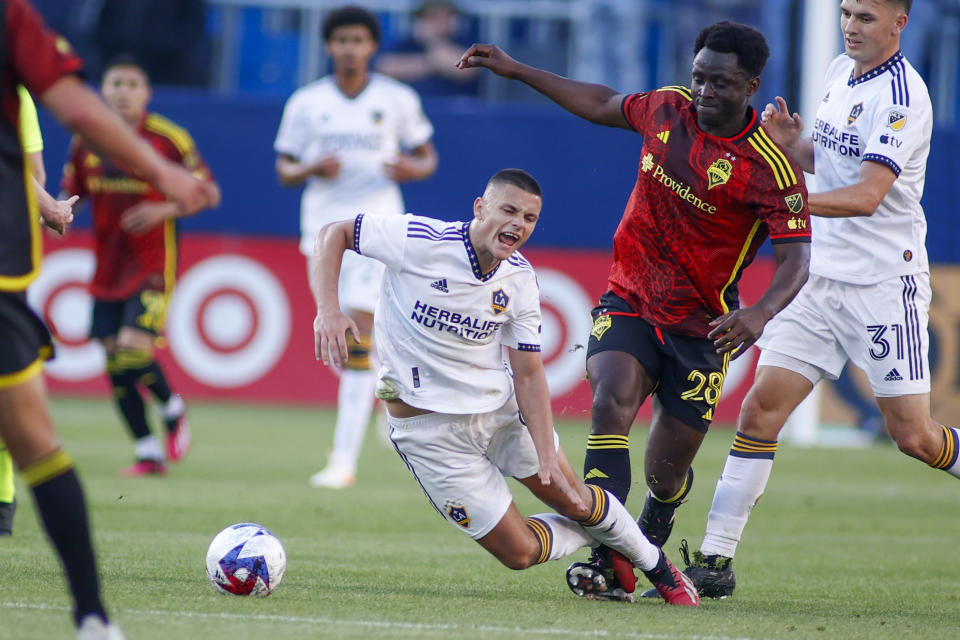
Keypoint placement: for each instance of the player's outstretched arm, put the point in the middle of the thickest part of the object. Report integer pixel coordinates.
(593, 102)
(736, 331)
(330, 327)
(533, 398)
(787, 131)
(81, 110)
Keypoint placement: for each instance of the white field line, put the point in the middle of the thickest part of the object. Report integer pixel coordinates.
(463, 629)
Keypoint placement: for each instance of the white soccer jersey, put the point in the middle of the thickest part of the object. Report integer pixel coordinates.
(364, 132)
(882, 116)
(440, 322)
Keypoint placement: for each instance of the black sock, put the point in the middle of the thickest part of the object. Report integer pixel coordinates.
(607, 464)
(130, 403)
(63, 511)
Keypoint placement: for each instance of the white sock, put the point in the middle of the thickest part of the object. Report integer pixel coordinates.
(738, 489)
(949, 458)
(559, 536)
(174, 407)
(148, 448)
(354, 404)
(613, 526)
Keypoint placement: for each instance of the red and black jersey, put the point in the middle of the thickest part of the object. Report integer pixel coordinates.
(31, 55)
(129, 262)
(700, 209)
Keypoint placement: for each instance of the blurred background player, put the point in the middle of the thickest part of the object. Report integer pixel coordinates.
(134, 229)
(461, 420)
(352, 137)
(427, 59)
(710, 187)
(46, 65)
(868, 298)
(56, 215)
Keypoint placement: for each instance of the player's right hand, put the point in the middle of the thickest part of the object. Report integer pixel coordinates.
(489, 56)
(785, 129)
(182, 187)
(330, 330)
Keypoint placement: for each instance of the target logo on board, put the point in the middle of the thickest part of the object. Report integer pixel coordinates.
(565, 311)
(229, 321)
(59, 295)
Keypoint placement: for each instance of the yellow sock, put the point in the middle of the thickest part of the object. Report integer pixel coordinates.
(6, 476)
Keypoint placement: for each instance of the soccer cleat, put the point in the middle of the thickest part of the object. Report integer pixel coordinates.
(672, 585)
(334, 476)
(92, 627)
(713, 574)
(589, 581)
(178, 438)
(656, 519)
(6, 517)
(145, 468)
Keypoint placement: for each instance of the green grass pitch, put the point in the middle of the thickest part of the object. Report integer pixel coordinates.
(857, 543)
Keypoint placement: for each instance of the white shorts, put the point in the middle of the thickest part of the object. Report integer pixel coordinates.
(461, 462)
(360, 281)
(881, 327)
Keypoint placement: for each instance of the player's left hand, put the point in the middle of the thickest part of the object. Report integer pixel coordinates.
(57, 214)
(144, 216)
(330, 329)
(736, 331)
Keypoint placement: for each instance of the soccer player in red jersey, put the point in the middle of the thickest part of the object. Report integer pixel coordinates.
(711, 187)
(47, 66)
(134, 229)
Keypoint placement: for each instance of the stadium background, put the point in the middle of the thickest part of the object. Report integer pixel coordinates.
(240, 323)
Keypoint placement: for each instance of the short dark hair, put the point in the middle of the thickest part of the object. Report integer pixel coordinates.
(124, 60)
(906, 5)
(747, 43)
(347, 17)
(518, 178)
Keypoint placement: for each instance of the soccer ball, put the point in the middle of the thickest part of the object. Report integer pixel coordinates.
(246, 559)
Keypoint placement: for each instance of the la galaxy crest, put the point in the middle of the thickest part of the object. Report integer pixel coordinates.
(499, 302)
(458, 513)
(854, 113)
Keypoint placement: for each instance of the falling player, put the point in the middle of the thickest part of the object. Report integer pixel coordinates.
(462, 419)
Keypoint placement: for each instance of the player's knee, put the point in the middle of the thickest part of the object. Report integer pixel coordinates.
(916, 444)
(761, 417)
(613, 410)
(358, 354)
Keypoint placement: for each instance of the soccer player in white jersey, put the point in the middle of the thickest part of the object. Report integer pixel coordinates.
(454, 295)
(868, 295)
(352, 137)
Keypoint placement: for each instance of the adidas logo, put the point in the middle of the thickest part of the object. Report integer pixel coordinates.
(440, 285)
(892, 376)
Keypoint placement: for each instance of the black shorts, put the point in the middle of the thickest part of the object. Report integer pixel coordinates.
(687, 371)
(24, 339)
(145, 310)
